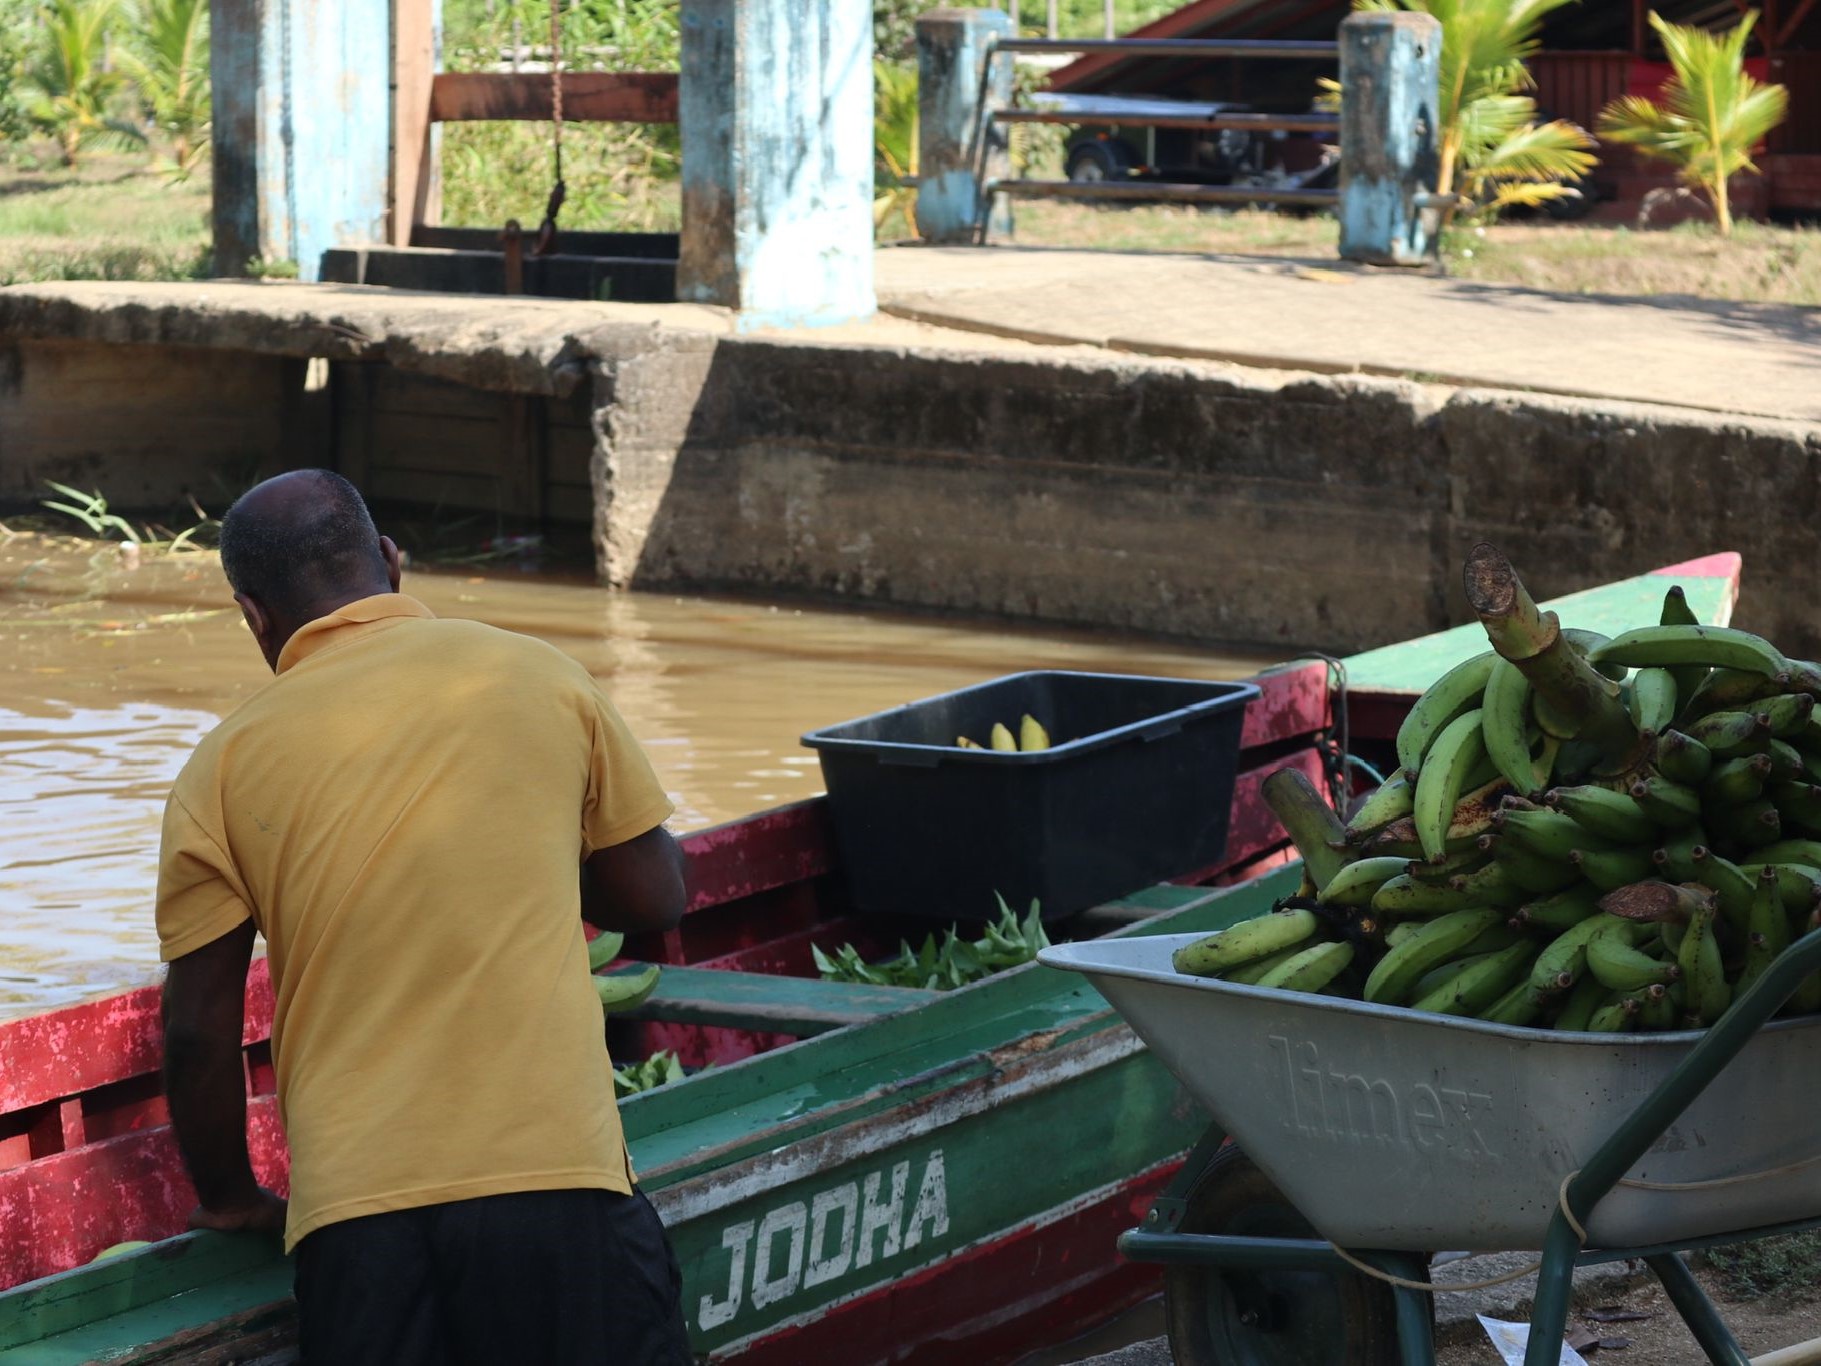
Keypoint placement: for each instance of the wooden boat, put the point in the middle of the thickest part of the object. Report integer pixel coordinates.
(865, 1174)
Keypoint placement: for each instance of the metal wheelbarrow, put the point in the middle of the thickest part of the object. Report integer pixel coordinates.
(1352, 1132)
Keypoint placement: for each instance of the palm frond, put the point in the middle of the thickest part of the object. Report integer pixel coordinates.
(1553, 151)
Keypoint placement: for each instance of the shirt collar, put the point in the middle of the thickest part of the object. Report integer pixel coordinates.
(343, 625)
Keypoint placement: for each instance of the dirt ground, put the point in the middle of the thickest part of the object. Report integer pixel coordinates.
(1761, 1325)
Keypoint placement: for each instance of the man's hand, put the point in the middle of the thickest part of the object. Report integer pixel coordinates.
(265, 1214)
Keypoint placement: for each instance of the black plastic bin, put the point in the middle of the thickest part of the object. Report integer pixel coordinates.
(1137, 788)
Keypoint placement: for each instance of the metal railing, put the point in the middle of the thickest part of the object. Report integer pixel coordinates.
(1175, 192)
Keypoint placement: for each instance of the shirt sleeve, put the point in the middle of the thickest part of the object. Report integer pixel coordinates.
(200, 897)
(625, 798)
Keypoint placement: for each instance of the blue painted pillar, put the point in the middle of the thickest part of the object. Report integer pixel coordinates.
(1389, 75)
(776, 115)
(954, 152)
(302, 125)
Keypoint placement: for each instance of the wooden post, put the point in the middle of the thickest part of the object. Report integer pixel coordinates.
(1107, 15)
(957, 149)
(415, 193)
(776, 118)
(302, 137)
(1389, 71)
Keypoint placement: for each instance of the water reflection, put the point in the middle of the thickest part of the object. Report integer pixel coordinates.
(110, 672)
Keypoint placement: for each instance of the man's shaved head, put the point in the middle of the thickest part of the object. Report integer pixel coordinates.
(299, 547)
(301, 539)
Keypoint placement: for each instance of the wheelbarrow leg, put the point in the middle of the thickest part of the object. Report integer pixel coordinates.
(1554, 1284)
(1415, 1315)
(1697, 1310)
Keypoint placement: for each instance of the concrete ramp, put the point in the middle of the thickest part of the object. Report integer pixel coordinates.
(1327, 317)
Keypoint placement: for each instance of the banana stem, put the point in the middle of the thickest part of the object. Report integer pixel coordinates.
(1311, 823)
(1532, 639)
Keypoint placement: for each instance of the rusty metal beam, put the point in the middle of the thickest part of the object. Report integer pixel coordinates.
(1300, 48)
(1263, 123)
(1170, 191)
(1794, 22)
(524, 96)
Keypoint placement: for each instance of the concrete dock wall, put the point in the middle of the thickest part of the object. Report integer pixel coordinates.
(1208, 502)
(1332, 512)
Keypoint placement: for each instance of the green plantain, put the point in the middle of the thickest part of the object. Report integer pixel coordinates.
(1608, 869)
(1455, 692)
(1703, 970)
(1610, 815)
(1443, 778)
(1682, 759)
(1718, 647)
(1561, 911)
(1730, 733)
(1255, 938)
(1578, 1006)
(1737, 780)
(1505, 723)
(1482, 982)
(1359, 881)
(1310, 970)
(1614, 957)
(1564, 959)
(624, 991)
(1769, 929)
(1390, 802)
(1670, 805)
(1435, 943)
(1652, 699)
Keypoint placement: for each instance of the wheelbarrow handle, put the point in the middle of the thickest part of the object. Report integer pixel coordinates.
(1730, 1033)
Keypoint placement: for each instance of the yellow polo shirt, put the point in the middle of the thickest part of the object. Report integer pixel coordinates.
(402, 812)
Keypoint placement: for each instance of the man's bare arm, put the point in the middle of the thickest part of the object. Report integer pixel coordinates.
(204, 1080)
(635, 887)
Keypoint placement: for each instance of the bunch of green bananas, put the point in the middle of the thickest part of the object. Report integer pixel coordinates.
(620, 990)
(1512, 870)
(1031, 736)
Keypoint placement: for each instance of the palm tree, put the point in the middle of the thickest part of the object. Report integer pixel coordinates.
(1711, 116)
(894, 142)
(1491, 147)
(70, 84)
(170, 66)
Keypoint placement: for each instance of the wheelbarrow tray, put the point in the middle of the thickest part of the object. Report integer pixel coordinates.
(1392, 1129)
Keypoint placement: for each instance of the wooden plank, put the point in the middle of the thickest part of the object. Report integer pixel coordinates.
(1292, 701)
(758, 853)
(59, 1211)
(414, 192)
(524, 96)
(798, 1006)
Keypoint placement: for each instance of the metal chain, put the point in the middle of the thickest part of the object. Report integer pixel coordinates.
(556, 84)
(546, 232)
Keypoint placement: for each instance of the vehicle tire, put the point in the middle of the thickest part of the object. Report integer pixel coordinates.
(1236, 1317)
(1091, 161)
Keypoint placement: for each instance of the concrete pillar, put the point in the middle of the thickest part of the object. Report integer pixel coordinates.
(776, 115)
(1389, 74)
(302, 132)
(954, 152)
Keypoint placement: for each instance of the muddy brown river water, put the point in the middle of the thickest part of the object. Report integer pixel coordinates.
(111, 670)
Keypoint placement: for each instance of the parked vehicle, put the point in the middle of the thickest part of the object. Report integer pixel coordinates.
(1116, 139)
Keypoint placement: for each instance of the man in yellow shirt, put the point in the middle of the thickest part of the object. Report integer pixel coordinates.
(402, 813)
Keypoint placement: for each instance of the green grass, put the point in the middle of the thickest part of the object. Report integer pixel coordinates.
(109, 220)
(1770, 1266)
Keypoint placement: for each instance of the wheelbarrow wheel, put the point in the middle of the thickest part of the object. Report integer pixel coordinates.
(1239, 1317)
